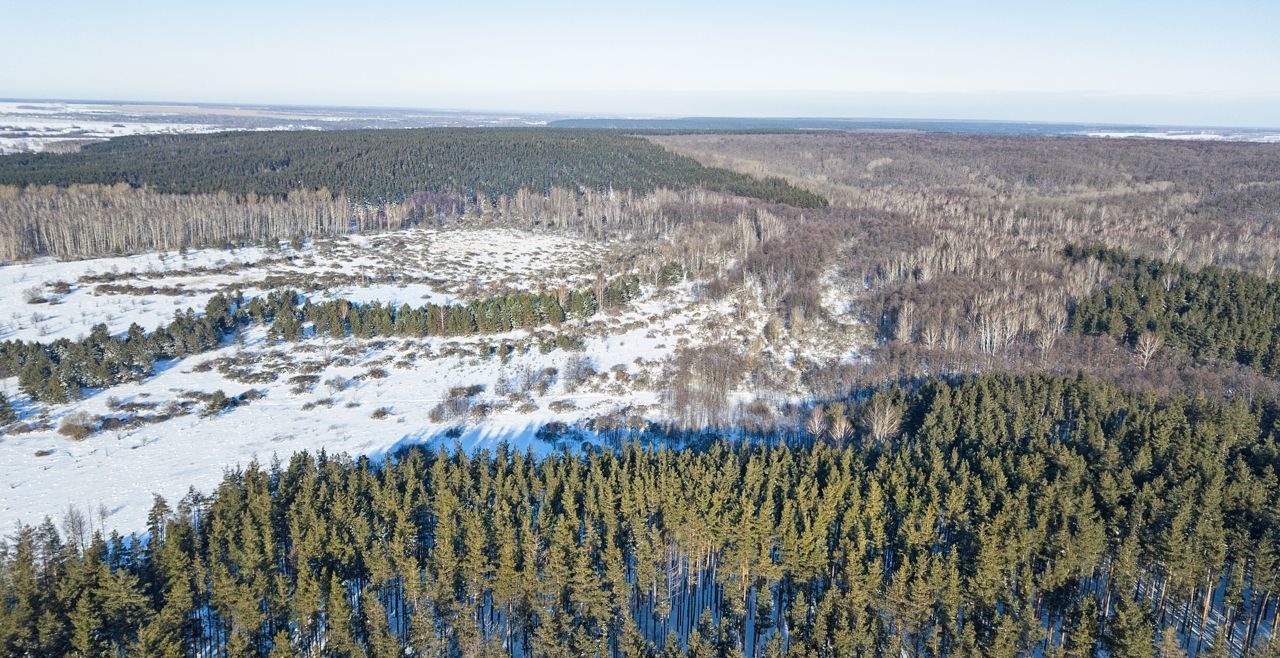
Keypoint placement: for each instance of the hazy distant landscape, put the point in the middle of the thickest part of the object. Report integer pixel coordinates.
(40, 125)
(35, 126)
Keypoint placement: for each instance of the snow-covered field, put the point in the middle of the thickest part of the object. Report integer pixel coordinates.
(354, 396)
(361, 397)
(118, 471)
(412, 267)
(33, 127)
(1206, 135)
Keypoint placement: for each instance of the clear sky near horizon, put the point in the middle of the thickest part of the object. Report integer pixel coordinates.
(1171, 62)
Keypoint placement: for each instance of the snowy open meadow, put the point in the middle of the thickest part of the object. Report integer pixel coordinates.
(342, 395)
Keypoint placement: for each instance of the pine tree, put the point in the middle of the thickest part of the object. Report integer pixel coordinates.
(1169, 645)
(7, 413)
(1130, 632)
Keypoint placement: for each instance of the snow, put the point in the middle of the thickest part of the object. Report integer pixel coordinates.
(395, 295)
(116, 472)
(75, 312)
(34, 126)
(1193, 135)
(387, 267)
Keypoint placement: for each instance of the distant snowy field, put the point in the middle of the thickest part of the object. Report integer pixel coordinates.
(1207, 135)
(35, 126)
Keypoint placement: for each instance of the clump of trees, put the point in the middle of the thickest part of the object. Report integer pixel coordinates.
(1006, 517)
(56, 372)
(1212, 313)
(7, 413)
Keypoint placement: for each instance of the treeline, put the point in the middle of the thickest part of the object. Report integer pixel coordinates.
(389, 165)
(87, 221)
(1032, 517)
(56, 372)
(1213, 313)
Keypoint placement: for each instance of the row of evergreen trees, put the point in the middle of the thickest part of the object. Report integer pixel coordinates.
(1212, 314)
(1014, 517)
(492, 315)
(56, 372)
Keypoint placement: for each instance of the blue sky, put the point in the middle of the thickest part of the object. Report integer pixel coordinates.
(1170, 62)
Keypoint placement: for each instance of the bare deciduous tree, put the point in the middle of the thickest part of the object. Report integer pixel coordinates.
(1148, 344)
(882, 418)
(816, 426)
(841, 429)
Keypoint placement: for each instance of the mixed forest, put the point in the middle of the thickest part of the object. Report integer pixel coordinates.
(1061, 438)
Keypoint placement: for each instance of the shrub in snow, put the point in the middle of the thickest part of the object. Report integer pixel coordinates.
(78, 425)
(217, 403)
(33, 295)
(552, 432)
(562, 406)
(577, 369)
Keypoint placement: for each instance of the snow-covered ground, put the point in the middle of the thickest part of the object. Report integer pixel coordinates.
(33, 126)
(412, 267)
(1205, 135)
(118, 471)
(354, 396)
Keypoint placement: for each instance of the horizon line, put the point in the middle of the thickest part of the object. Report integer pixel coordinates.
(624, 116)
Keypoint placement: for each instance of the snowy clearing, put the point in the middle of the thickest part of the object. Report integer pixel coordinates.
(334, 406)
(414, 267)
(362, 396)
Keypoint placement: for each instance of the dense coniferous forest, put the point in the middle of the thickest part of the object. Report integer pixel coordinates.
(1004, 517)
(389, 165)
(1212, 313)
